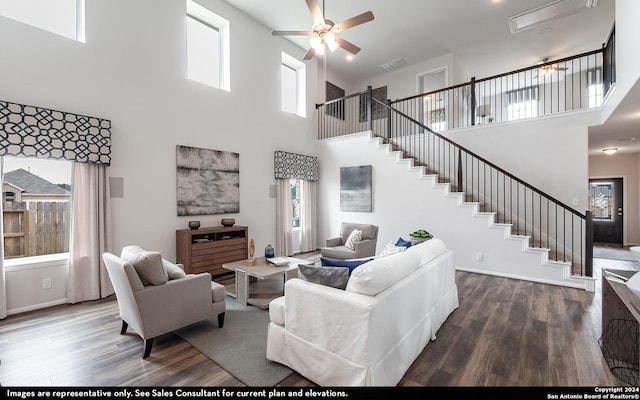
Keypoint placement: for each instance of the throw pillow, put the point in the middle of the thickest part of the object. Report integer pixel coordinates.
(354, 236)
(148, 265)
(403, 243)
(391, 248)
(173, 271)
(349, 264)
(377, 275)
(336, 277)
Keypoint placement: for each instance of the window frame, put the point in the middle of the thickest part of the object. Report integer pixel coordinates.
(39, 260)
(213, 21)
(79, 26)
(301, 92)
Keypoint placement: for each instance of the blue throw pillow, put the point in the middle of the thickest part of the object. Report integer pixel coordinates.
(351, 264)
(403, 243)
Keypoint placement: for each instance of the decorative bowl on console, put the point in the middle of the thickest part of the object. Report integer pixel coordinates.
(194, 224)
(228, 221)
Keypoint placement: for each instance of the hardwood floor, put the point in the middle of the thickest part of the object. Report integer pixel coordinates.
(505, 333)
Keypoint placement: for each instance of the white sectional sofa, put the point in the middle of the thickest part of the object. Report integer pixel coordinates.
(370, 333)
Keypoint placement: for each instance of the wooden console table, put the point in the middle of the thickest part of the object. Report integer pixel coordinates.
(206, 249)
(620, 326)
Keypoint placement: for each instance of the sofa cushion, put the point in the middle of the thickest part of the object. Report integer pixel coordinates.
(148, 265)
(428, 250)
(354, 236)
(350, 264)
(336, 277)
(375, 276)
(173, 271)
(403, 243)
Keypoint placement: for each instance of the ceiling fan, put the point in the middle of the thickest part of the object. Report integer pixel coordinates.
(545, 68)
(324, 31)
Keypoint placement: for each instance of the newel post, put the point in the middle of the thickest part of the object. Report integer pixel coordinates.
(369, 105)
(588, 251)
(389, 118)
(472, 87)
(459, 174)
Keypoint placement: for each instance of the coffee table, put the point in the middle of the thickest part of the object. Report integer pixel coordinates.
(267, 283)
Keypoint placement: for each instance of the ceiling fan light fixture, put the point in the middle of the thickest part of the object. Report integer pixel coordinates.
(610, 150)
(330, 39)
(316, 43)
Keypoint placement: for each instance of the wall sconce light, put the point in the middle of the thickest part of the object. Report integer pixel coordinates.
(610, 150)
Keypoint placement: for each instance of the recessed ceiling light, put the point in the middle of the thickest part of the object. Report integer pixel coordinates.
(610, 150)
(349, 57)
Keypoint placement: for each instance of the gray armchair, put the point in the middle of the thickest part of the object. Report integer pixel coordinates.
(366, 247)
(156, 309)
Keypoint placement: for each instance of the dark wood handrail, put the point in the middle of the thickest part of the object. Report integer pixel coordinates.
(483, 160)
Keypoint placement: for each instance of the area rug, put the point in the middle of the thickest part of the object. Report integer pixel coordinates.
(240, 346)
(613, 253)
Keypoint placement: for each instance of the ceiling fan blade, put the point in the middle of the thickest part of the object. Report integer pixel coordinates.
(316, 12)
(348, 46)
(309, 54)
(293, 33)
(353, 21)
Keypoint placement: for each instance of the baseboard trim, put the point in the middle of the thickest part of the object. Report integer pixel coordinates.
(37, 306)
(576, 285)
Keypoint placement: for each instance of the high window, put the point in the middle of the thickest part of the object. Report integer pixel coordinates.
(36, 210)
(522, 103)
(292, 79)
(63, 17)
(207, 47)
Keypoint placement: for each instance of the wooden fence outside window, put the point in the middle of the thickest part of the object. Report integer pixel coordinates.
(36, 228)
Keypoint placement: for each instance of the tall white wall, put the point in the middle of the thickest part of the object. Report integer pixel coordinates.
(549, 153)
(132, 70)
(404, 81)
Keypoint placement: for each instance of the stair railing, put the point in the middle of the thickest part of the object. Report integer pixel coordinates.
(549, 223)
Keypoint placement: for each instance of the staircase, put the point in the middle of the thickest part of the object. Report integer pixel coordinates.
(518, 256)
(496, 223)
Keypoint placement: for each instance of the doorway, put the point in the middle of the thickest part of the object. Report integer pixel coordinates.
(605, 202)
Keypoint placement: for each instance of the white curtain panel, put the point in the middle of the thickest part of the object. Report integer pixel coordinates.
(3, 287)
(284, 230)
(309, 207)
(90, 233)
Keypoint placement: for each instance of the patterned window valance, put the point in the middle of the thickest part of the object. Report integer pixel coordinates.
(295, 166)
(30, 131)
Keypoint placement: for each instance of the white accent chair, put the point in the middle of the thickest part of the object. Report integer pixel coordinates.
(366, 247)
(156, 309)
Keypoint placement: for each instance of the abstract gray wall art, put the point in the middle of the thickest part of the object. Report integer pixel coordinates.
(208, 181)
(355, 188)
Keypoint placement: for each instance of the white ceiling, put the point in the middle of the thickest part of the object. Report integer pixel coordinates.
(475, 31)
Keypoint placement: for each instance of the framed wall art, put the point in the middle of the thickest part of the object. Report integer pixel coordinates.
(355, 188)
(208, 181)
